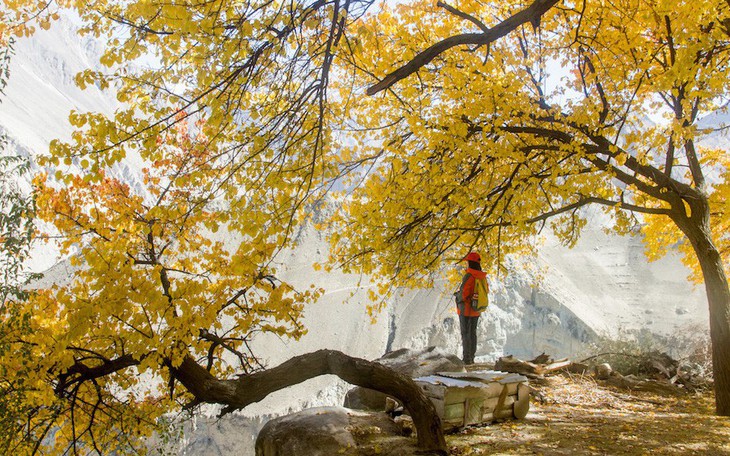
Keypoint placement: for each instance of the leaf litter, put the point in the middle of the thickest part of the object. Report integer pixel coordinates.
(579, 415)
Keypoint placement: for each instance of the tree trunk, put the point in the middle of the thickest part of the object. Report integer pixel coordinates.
(718, 297)
(237, 394)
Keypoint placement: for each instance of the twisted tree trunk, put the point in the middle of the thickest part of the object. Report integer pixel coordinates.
(237, 394)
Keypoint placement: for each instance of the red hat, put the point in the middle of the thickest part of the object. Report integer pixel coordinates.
(473, 256)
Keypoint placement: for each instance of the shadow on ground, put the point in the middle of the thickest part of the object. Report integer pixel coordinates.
(580, 416)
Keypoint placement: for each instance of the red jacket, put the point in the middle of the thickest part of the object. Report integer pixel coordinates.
(468, 290)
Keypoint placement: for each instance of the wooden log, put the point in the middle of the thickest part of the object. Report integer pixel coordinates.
(495, 389)
(522, 404)
(578, 368)
(502, 399)
(511, 364)
(473, 410)
(490, 382)
(432, 390)
(556, 366)
(466, 398)
(485, 376)
(455, 411)
(497, 415)
(439, 404)
(542, 359)
(493, 403)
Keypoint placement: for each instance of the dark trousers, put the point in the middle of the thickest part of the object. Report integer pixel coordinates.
(468, 337)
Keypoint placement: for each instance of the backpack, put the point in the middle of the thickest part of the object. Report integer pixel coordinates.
(480, 298)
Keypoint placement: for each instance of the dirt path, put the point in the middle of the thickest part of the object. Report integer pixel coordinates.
(580, 416)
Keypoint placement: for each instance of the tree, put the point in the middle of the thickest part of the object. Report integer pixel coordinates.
(16, 236)
(17, 228)
(234, 123)
(488, 143)
(174, 273)
(160, 312)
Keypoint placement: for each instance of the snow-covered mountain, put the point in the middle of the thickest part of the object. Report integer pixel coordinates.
(602, 286)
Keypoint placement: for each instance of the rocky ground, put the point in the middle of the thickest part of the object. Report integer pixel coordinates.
(579, 415)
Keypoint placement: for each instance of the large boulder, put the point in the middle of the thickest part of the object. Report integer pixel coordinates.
(414, 364)
(327, 431)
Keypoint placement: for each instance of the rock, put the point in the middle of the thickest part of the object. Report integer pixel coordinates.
(359, 398)
(419, 363)
(603, 371)
(327, 431)
(413, 363)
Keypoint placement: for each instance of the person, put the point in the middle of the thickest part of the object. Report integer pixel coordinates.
(469, 317)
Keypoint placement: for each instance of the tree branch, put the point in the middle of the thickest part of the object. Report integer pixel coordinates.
(531, 14)
(80, 372)
(237, 394)
(694, 165)
(630, 207)
(602, 146)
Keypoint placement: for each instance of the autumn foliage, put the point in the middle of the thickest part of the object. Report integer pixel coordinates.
(149, 283)
(487, 145)
(254, 111)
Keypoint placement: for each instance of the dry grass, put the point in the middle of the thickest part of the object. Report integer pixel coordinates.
(581, 416)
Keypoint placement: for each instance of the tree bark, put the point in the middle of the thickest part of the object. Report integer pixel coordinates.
(718, 297)
(237, 394)
(696, 228)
